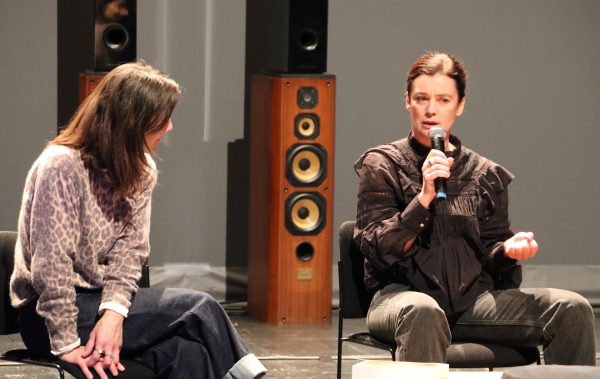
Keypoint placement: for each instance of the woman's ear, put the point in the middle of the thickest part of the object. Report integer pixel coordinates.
(407, 101)
(461, 106)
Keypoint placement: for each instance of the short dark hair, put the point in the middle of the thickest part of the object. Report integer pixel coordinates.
(439, 63)
(110, 125)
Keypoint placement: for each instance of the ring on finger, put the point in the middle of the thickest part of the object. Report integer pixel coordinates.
(429, 162)
(109, 355)
(100, 351)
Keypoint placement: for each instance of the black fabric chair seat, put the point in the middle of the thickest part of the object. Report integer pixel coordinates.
(468, 355)
(465, 354)
(552, 372)
(9, 325)
(355, 301)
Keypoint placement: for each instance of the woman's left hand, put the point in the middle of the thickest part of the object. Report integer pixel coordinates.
(104, 345)
(521, 246)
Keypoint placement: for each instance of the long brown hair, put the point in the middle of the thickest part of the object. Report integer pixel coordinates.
(109, 127)
(439, 63)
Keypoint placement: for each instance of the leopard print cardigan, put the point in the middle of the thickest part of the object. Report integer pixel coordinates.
(73, 232)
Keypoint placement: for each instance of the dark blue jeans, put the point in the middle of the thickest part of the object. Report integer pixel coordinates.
(179, 333)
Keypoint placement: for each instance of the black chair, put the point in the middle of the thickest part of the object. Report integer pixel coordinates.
(9, 324)
(355, 300)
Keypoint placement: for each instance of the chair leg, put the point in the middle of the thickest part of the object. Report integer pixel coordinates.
(339, 352)
(339, 360)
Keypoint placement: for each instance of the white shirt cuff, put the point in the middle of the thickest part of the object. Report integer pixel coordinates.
(113, 306)
(67, 348)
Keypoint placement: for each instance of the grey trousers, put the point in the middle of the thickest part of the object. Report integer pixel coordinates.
(179, 333)
(560, 321)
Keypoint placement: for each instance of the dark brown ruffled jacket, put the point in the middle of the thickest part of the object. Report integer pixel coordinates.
(458, 253)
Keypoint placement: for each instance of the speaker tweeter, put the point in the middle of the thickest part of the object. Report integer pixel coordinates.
(308, 97)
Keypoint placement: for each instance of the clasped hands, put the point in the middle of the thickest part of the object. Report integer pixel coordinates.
(102, 349)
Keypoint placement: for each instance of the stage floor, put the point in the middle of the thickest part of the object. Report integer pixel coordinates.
(287, 351)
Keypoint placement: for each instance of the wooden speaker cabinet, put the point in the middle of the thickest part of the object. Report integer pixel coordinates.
(87, 82)
(291, 198)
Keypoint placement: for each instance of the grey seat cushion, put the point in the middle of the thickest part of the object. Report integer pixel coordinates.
(552, 372)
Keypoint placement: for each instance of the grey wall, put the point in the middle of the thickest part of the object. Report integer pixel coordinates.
(208, 61)
(531, 106)
(27, 95)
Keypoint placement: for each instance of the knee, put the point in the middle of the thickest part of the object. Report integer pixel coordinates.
(424, 318)
(422, 308)
(191, 300)
(575, 306)
(574, 300)
(202, 299)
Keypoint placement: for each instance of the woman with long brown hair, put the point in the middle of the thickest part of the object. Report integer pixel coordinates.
(83, 234)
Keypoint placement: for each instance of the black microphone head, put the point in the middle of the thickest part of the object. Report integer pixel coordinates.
(437, 132)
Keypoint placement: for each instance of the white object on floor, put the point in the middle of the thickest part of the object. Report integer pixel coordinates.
(372, 369)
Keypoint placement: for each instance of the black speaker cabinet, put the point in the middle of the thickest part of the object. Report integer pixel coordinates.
(291, 198)
(298, 36)
(94, 36)
(114, 33)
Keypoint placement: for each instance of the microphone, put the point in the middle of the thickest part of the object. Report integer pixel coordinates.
(437, 134)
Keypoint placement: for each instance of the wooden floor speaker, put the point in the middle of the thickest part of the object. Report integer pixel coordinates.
(291, 198)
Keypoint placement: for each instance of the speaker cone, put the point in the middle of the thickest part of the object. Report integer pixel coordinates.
(307, 126)
(306, 165)
(305, 213)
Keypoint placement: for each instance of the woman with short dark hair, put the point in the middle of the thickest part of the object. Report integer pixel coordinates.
(448, 269)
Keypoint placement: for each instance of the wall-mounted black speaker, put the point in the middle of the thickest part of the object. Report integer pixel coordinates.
(298, 36)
